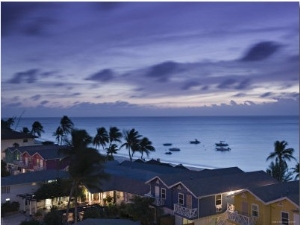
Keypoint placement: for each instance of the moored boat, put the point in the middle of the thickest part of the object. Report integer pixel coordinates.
(195, 142)
(221, 144)
(167, 144)
(223, 148)
(174, 149)
(168, 153)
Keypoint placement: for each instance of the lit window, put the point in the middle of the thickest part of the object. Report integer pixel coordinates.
(284, 218)
(180, 199)
(163, 193)
(218, 200)
(254, 209)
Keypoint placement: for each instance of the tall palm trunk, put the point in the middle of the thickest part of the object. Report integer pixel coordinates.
(69, 200)
(75, 209)
(130, 157)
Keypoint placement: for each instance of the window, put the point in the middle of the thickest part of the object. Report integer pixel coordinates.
(180, 199)
(284, 218)
(218, 200)
(254, 209)
(163, 193)
(5, 189)
(25, 140)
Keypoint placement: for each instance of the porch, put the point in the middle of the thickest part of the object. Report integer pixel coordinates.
(235, 216)
(185, 212)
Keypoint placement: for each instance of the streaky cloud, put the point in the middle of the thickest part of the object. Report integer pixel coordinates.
(261, 51)
(102, 76)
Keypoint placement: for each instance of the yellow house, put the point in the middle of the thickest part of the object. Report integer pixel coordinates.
(272, 204)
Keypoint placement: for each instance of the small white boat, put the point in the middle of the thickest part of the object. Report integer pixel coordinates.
(221, 144)
(195, 142)
(223, 148)
(167, 144)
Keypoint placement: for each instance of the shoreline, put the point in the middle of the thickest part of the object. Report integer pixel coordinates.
(121, 159)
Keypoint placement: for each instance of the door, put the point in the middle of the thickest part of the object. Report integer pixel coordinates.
(245, 208)
(156, 192)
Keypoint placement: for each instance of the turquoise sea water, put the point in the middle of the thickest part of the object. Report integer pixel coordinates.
(251, 138)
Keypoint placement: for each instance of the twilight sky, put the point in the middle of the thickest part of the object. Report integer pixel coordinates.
(149, 58)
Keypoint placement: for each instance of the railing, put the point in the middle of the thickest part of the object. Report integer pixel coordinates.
(157, 201)
(185, 212)
(238, 218)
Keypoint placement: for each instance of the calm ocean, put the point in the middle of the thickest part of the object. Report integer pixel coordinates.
(251, 139)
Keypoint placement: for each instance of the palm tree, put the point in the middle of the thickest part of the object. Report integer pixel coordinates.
(279, 171)
(86, 164)
(25, 130)
(114, 135)
(281, 154)
(8, 123)
(296, 171)
(131, 141)
(111, 150)
(101, 138)
(59, 133)
(66, 125)
(145, 146)
(37, 129)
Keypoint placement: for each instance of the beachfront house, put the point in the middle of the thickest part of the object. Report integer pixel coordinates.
(11, 138)
(202, 197)
(34, 158)
(21, 188)
(272, 204)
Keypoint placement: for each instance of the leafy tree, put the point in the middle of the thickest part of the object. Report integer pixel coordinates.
(4, 171)
(8, 123)
(114, 135)
(111, 150)
(101, 138)
(37, 129)
(66, 125)
(296, 171)
(145, 146)
(279, 171)
(140, 210)
(281, 155)
(25, 130)
(54, 217)
(131, 141)
(86, 164)
(59, 134)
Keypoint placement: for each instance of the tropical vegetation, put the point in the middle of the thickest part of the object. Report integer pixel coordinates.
(86, 164)
(279, 168)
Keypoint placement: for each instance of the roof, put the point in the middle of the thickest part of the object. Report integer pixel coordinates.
(156, 167)
(37, 176)
(210, 185)
(7, 134)
(46, 151)
(273, 192)
(185, 174)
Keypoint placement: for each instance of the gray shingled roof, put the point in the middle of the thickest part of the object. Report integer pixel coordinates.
(162, 168)
(46, 151)
(191, 174)
(275, 191)
(7, 134)
(29, 177)
(205, 186)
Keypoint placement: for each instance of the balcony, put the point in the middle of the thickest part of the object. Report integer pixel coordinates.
(157, 201)
(185, 212)
(238, 218)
